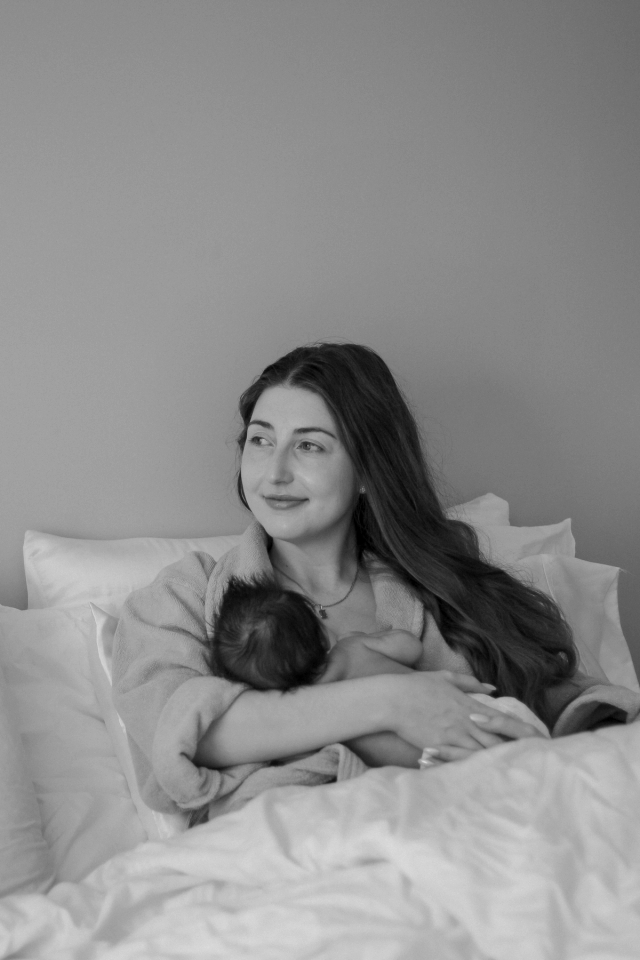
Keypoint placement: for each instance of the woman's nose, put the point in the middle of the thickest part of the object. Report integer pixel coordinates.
(280, 467)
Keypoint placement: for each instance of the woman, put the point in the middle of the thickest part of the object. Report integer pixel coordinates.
(344, 511)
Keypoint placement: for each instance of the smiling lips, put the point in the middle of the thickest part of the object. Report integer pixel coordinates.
(283, 503)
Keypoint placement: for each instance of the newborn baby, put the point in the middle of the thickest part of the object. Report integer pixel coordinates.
(272, 639)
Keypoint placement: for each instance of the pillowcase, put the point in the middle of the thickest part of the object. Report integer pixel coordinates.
(486, 509)
(85, 804)
(587, 594)
(63, 571)
(504, 545)
(25, 860)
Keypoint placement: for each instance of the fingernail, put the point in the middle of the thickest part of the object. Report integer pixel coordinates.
(490, 686)
(431, 751)
(479, 718)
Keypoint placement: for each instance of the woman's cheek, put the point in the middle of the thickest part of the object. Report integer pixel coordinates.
(248, 477)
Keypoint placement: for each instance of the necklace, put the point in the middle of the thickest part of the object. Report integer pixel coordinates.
(321, 608)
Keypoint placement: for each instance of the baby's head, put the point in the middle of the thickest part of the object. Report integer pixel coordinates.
(267, 637)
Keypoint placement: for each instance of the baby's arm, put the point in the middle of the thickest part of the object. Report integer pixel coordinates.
(398, 645)
(365, 655)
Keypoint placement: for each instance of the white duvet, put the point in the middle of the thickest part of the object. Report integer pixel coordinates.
(530, 850)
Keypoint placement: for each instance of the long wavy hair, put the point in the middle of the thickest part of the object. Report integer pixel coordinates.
(511, 634)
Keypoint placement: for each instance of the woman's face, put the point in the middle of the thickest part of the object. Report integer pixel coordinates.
(297, 477)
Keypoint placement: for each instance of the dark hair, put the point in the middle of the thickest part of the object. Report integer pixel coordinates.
(266, 636)
(511, 634)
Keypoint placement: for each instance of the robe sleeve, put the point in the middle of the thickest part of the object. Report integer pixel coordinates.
(164, 691)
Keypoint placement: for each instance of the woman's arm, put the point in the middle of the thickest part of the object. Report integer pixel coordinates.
(389, 651)
(176, 712)
(420, 708)
(270, 725)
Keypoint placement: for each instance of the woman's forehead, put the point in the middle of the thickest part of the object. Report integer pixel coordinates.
(293, 408)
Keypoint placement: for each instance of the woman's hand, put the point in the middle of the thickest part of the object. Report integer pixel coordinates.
(422, 709)
(506, 728)
(433, 710)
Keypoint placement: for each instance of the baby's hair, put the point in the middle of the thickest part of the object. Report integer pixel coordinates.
(266, 636)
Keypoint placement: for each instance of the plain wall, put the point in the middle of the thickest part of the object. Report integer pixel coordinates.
(191, 189)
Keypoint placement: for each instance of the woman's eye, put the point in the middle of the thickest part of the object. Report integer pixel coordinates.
(310, 446)
(257, 441)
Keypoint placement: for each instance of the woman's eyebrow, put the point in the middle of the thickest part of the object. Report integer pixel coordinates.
(315, 430)
(269, 426)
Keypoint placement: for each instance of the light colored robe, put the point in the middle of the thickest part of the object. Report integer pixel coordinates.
(164, 691)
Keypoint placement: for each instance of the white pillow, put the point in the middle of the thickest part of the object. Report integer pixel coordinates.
(587, 594)
(504, 545)
(63, 571)
(486, 509)
(25, 861)
(85, 804)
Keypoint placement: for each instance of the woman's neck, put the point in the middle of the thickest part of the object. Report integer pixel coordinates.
(320, 569)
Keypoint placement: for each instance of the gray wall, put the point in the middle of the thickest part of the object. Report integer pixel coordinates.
(190, 189)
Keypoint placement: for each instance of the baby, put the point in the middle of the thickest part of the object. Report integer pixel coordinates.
(272, 639)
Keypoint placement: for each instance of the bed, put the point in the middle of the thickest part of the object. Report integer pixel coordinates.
(529, 850)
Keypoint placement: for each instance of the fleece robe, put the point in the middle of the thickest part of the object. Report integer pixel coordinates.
(164, 691)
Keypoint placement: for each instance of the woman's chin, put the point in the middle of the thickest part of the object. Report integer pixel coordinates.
(289, 533)
(281, 525)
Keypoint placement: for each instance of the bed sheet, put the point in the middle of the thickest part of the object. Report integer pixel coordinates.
(529, 851)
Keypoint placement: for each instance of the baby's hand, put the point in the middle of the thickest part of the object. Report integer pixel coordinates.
(360, 654)
(398, 645)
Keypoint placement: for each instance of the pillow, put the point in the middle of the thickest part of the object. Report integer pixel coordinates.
(587, 594)
(62, 571)
(503, 545)
(25, 860)
(65, 572)
(85, 804)
(487, 509)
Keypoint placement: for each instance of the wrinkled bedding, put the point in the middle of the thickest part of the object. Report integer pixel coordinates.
(527, 851)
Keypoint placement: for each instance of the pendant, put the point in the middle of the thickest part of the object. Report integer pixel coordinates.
(322, 613)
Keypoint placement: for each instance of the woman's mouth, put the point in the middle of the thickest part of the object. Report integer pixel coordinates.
(283, 503)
